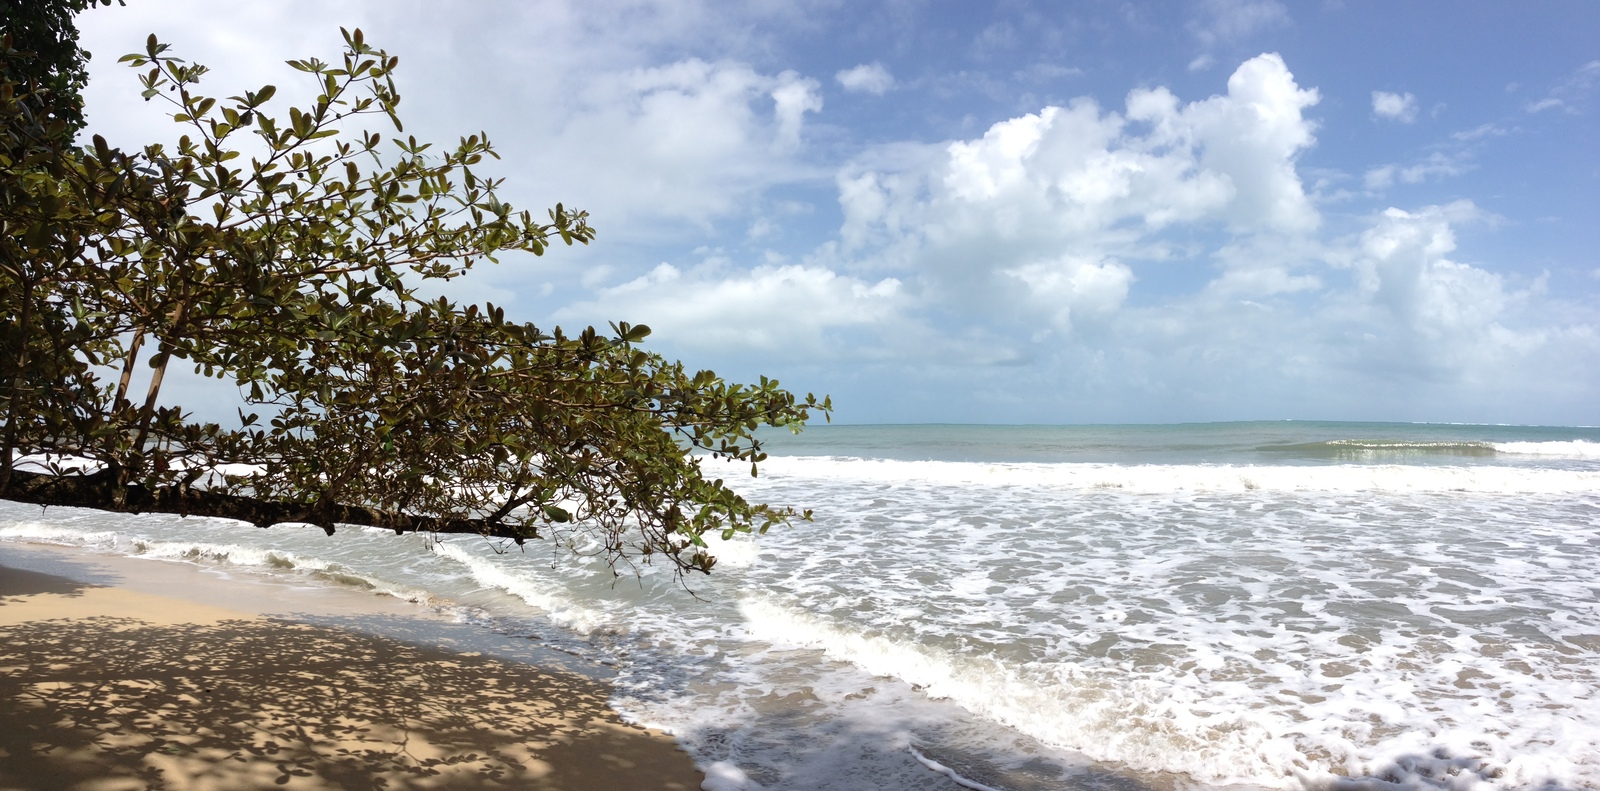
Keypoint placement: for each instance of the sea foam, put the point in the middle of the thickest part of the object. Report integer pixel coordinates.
(1575, 449)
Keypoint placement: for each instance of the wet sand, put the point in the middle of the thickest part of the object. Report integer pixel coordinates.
(106, 684)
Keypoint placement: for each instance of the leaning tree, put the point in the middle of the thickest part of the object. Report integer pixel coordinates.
(289, 252)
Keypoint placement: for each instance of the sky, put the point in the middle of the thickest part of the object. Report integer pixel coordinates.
(1013, 212)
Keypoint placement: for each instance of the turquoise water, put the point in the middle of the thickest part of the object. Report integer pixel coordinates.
(1272, 605)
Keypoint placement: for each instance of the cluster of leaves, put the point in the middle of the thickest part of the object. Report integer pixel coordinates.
(285, 253)
(56, 69)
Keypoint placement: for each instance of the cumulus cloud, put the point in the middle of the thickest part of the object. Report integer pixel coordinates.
(1404, 267)
(793, 96)
(1435, 316)
(1400, 107)
(870, 78)
(1045, 202)
(1039, 227)
(689, 140)
(1039, 224)
(1076, 290)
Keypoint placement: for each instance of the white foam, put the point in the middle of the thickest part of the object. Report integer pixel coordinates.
(1251, 636)
(1575, 449)
(948, 772)
(724, 776)
(559, 608)
(56, 534)
(1155, 724)
(739, 552)
(206, 553)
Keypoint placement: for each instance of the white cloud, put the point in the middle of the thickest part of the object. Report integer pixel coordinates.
(1400, 107)
(1436, 317)
(1225, 21)
(691, 140)
(1047, 72)
(787, 309)
(1262, 281)
(1041, 227)
(1479, 132)
(793, 97)
(1380, 178)
(1037, 212)
(1404, 267)
(870, 78)
(1437, 165)
(606, 112)
(1076, 290)
(1081, 171)
(1572, 93)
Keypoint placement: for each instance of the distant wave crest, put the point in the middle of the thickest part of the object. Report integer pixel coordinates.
(1376, 449)
(1173, 478)
(1575, 449)
(1381, 449)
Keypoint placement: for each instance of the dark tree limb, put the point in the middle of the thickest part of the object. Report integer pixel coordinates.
(99, 491)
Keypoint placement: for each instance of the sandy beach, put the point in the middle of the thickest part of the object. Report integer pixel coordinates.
(108, 684)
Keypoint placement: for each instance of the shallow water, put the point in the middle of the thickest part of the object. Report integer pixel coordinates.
(1026, 608)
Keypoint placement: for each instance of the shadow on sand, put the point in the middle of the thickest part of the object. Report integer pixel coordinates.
(21, 582)
(108, 703)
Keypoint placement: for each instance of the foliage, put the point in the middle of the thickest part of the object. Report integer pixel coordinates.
(56, 69)
(286, 252)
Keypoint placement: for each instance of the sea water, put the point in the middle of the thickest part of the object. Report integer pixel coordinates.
(1249, 605)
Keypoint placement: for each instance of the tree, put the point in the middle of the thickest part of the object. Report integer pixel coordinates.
(56, 69)
(288, 253)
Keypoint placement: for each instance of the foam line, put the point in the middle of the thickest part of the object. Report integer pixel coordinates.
(950, 773)
(560, 609)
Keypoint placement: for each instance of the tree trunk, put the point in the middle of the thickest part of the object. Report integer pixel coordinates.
(128, 363)
(163, 357)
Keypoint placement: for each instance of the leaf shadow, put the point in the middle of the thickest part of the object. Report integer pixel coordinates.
(261, 703)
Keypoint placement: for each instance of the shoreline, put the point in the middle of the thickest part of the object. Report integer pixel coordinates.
(119, 673)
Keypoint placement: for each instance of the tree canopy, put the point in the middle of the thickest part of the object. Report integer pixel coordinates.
(290, 252)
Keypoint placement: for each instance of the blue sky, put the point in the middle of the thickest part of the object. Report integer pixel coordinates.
(1017, 212)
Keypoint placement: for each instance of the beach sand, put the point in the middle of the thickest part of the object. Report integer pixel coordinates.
(106, 685)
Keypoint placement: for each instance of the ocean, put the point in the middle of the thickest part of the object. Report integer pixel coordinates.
(1276, 605)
